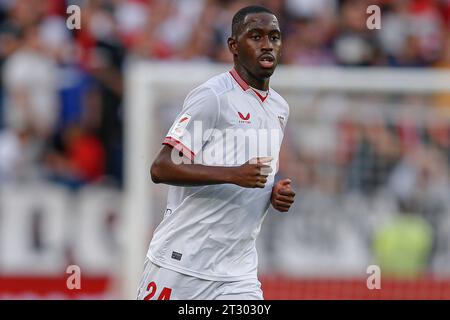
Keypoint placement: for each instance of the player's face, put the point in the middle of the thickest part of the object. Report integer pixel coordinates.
(259, 44)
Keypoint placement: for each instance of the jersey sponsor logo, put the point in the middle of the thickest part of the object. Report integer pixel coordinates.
(181, 125)
(247, 117)
(244, 119)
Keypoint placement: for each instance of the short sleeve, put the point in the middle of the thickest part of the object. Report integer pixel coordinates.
(199, 115)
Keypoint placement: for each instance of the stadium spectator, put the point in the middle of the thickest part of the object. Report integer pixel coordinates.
(403, 245)
(31, 97)
(80, 160)
(375, 154)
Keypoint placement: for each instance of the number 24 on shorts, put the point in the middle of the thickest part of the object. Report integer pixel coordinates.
(164, 295)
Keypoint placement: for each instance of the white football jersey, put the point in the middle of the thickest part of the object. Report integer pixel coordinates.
(210, 231)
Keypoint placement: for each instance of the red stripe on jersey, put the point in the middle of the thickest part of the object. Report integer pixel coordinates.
(239, 80)
(260, 96)
(244, 85)
(178, 145)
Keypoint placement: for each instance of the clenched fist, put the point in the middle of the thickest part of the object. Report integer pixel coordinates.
(253, 173)
(282, 195)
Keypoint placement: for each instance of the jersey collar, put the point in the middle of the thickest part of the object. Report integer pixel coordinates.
(245, 86)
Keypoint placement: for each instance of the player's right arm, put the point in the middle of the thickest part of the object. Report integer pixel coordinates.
(252, 174)
(201, 105)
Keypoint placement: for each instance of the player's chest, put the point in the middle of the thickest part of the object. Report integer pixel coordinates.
(250, 113)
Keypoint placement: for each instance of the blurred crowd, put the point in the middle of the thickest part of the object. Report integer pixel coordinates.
(372, 172)
(61, 90)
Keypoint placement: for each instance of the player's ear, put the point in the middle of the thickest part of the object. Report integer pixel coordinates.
(232, 45)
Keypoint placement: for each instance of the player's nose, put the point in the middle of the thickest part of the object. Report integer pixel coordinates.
(266, 44)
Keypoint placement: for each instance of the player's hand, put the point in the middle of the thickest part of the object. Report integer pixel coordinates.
(253, 173)
(282, 195)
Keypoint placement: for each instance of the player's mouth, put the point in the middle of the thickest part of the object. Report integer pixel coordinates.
(266, 61)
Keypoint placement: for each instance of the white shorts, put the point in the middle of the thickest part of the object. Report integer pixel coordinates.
(159, 283)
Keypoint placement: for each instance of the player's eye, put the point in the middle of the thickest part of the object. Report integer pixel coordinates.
(256, 37)
(275, 37)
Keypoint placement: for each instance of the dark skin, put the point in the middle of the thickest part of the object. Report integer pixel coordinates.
(256, 50)
(257, 37)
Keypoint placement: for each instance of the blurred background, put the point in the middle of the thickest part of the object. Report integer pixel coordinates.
(371, 168)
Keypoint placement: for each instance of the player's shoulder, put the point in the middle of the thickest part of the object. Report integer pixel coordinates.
(215, 86)
(211, 89)
(279, 99)
(219, 84)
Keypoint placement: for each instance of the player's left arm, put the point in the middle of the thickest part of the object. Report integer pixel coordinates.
(282, 194)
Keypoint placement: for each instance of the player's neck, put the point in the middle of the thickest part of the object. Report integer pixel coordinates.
(260, 84)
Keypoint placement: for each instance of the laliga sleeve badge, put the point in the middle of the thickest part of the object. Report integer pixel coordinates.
(181, 125)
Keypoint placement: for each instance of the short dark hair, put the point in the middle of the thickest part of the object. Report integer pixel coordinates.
(239, 17)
